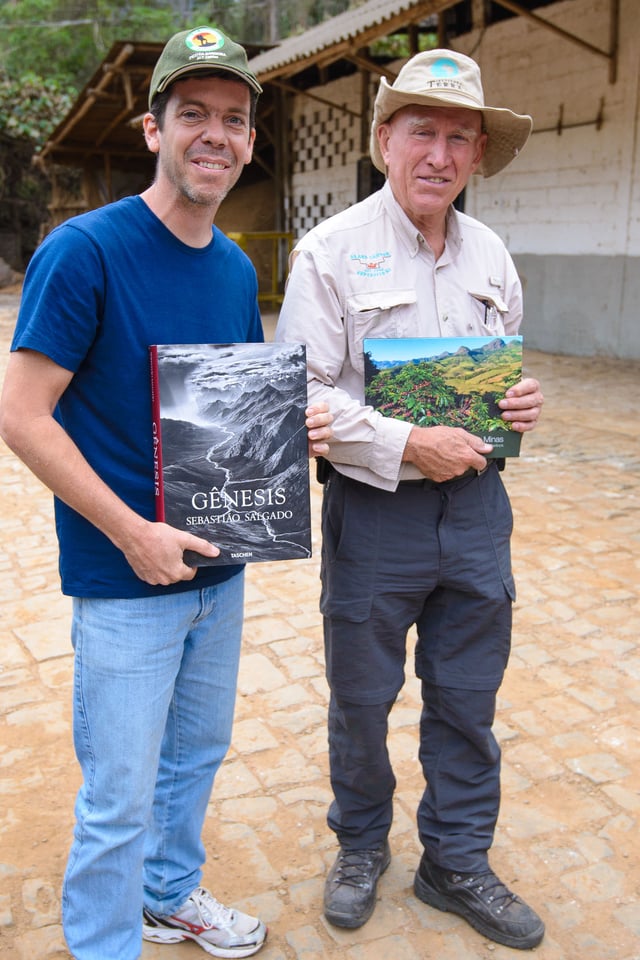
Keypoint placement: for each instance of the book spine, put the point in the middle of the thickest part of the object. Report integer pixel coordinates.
(157, 435)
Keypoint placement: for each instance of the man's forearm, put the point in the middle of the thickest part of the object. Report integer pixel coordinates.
(52, 456)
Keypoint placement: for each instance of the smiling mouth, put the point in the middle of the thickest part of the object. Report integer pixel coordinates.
(212, 165)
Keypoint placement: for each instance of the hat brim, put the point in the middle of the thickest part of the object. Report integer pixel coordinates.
(507, 132)
(212, 66)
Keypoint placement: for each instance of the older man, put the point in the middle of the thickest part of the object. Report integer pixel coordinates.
(416, 521)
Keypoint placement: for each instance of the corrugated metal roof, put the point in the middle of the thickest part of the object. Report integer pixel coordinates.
(376, 18)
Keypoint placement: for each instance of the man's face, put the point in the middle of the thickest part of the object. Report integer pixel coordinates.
(430, 153)
(205, 140)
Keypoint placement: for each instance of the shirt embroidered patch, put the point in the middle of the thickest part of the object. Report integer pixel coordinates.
(371, 264)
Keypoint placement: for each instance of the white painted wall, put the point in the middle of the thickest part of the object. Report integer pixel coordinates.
(568, 207)
(575, 193)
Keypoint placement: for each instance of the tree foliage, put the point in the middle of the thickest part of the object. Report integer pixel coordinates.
(31, 106)
(267, 21)
(50, 48)
(66, 39)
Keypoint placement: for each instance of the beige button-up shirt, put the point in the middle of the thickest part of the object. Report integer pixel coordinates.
(368, 272)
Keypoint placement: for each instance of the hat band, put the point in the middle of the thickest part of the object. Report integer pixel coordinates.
(449, 93)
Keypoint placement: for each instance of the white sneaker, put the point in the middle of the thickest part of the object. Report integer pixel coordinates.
(220, 931)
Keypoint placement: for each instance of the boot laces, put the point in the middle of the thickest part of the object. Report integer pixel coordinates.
(489, 888)
(354, 867)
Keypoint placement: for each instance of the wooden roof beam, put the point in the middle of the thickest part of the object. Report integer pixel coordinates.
(289, 88)
(103, 95)
(89, 100)
(368, 65)
(611, 54)
(122, 115)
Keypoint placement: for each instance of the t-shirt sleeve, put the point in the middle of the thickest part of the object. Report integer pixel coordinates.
(63, 298)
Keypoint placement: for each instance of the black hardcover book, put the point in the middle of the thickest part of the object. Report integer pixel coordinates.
(230, 447)
(452, 381)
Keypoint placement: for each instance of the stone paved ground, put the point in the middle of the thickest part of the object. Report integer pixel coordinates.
(569, 717)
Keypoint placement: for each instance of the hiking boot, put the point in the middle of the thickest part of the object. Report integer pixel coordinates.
(484, 902)
(350, 888)
(220, 931)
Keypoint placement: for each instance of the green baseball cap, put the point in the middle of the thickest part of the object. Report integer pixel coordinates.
(204, 48)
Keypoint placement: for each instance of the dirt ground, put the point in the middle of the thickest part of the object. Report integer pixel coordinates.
(568, 721)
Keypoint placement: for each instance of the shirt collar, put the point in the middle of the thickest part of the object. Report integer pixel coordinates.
(410, 234)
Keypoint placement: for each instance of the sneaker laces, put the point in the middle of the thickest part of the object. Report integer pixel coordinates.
(354, 867)
(210, 911)
(488, 887)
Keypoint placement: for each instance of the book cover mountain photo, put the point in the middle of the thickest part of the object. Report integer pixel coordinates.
(450, 381)
(230, 447)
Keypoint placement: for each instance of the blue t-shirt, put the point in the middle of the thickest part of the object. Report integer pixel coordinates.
(99, 290)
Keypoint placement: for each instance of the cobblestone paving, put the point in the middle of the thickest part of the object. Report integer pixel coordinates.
(568, 719)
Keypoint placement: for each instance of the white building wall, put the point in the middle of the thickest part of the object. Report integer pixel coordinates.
(569, 207)
(573, 192)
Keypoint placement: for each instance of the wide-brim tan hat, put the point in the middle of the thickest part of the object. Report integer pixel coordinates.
(446, 78)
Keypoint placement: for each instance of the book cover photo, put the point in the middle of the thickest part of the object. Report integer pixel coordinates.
(450, 381)
(230, 448)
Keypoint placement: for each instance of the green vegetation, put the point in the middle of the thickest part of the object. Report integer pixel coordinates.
(50, 48)
(31, 106)
(397, 46)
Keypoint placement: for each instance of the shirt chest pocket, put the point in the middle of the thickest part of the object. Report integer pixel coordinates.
(382, 313)
(490, 312)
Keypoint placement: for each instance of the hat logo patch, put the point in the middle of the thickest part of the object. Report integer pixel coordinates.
(204, 39)
(444, 68)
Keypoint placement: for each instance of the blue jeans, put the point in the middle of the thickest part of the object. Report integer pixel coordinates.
(154, 694)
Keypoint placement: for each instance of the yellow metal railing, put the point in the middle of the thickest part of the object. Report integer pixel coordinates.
(281, 246)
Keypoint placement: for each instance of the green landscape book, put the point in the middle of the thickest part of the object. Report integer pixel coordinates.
(449, 381)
